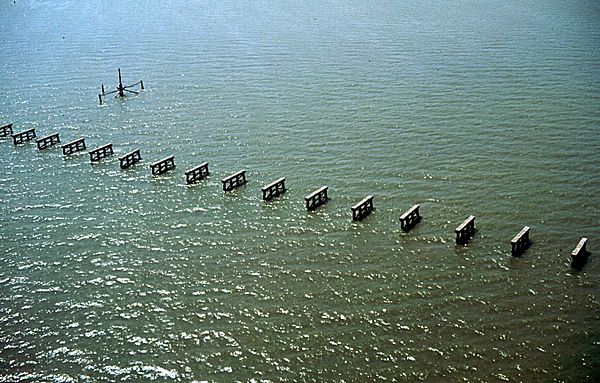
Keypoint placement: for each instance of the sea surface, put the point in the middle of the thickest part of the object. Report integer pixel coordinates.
(490, 108)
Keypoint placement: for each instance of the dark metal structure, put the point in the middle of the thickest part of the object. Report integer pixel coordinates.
(121, 89)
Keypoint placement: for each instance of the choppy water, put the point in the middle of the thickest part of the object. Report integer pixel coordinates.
(485, 108)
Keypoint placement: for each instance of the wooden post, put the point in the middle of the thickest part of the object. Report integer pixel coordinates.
(520, 242)
(274, 189)
(74, 147)
(130, 159)
(48, 141)
(121, 88)
(579, 255)
(316, 198)
(234, 180)
(163, 165)
(102, 152)
(410, 218)
(465, 230)
(21, 137)
(362, 209)
(196, 174)
(6, 130)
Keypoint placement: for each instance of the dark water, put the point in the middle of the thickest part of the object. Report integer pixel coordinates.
(483, 108)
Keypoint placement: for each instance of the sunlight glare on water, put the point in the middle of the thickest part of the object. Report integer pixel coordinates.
(479, 108)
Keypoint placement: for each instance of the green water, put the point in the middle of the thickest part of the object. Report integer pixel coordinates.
(484, 108)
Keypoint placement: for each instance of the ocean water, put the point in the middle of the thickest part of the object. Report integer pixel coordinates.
(465, 107)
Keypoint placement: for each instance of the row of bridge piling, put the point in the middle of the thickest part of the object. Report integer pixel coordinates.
(361, 210)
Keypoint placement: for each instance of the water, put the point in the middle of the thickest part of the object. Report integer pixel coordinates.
(480, 108)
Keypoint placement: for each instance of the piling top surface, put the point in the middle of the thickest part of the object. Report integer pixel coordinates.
(130, 153)
(47, 137)
(102, 147)
(233, 175)
(520, 234)
(357, 205)
(465, 223)
(273, 183)
(409, 211)
(579, 246)
(24, 132)
(74, 142)
(163, 160)
(195, 168)
(319, 190)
